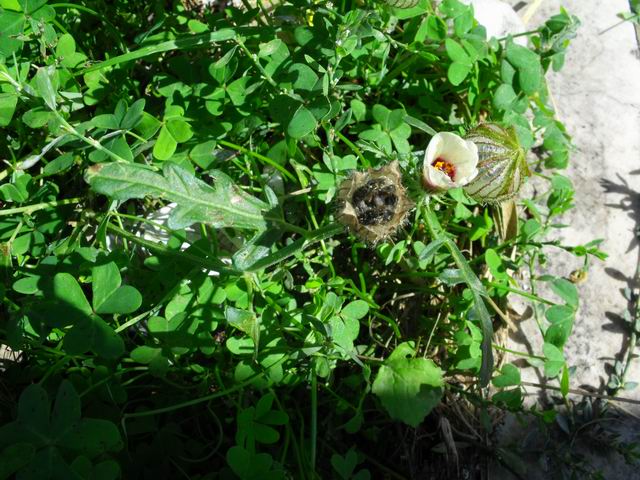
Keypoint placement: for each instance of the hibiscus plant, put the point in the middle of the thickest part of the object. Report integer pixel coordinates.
(268, 240)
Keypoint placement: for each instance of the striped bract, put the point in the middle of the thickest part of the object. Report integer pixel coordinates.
(502, 165)
(402, 3)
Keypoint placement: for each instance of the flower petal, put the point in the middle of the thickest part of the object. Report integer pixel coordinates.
(458, 152)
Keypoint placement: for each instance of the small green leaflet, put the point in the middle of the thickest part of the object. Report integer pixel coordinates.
(222, 204)
(409, 388)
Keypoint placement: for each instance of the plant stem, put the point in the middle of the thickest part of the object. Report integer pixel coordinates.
(583, 393)
(88, 140)
(314, 417)
(300, 244)
(162, 249)
(633, 339)
(265, 13)
(523, 34)
(39, 206)
(514, 352)
(522, 293)
(475, 286)
(256, 62)
(354, 149)
(195, 401)
(260, 157)
(84, 9)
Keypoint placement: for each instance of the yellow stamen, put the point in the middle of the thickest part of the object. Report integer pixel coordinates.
(444, 166)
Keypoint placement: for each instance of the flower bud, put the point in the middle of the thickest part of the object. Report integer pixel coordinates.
(502, 165)
(373, 203)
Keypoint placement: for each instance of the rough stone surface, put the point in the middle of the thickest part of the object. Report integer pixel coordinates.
(597, 95)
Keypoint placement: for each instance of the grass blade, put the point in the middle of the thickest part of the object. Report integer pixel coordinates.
(293, 248)
(476, 287)
(200, 40)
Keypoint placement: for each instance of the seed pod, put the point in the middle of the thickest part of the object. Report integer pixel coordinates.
(502, 165)
(402, 3)
(373, 203)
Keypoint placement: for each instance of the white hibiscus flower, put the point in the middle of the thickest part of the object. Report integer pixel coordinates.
(449, 162)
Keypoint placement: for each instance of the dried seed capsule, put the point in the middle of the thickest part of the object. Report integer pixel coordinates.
(502, 165)
(373, 203)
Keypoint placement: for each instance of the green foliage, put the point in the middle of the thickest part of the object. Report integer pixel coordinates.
(41, 438)
(221, 205)
(408, 387)
(169, 251)
(345, 466)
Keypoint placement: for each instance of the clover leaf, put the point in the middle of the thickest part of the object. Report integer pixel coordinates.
(51, 437)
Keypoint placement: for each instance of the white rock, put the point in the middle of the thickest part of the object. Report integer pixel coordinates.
(499, 18)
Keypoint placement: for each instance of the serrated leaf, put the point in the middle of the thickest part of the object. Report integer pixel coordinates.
(222, 204)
